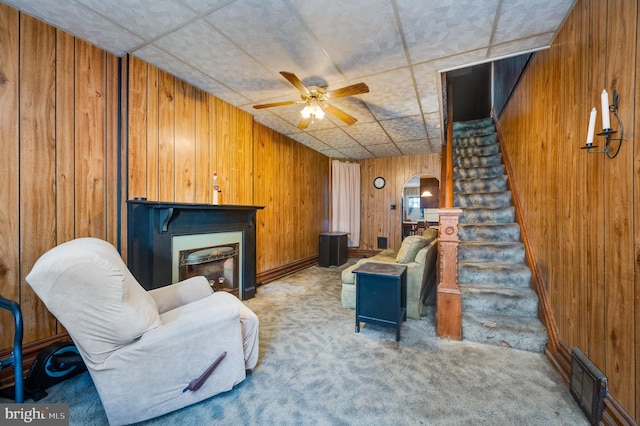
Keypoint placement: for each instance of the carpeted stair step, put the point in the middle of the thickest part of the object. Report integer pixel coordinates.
(503, 214)
(489, 138)
(478, 161)
(483, 199)
(494, 184)
(478, 172)
(498, 305)
(489, 232)
(523, 333)
(473, 150)
(473, 124)
(494, 273)
(484, 251)
(500, 300)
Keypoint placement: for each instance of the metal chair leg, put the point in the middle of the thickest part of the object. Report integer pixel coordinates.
(15, 360)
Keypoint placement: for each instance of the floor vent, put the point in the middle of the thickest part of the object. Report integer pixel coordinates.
(382, 242)
(588, 386)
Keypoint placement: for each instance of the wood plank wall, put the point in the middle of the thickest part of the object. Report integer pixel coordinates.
(179, 136)
(292, 181)
(59, 162)
(582, 210)
(377, 218)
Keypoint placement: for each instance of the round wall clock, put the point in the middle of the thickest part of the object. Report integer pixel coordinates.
(379, 182)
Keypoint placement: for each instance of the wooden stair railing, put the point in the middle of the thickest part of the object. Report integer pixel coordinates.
(449, 300)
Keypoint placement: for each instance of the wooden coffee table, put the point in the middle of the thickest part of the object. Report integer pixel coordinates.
(381, 295)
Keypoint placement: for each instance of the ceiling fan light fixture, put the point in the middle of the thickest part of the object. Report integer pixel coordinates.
(306, 111)
(319, 113)
(312, 109)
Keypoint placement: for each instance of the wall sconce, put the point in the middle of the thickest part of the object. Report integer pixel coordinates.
(607, 131)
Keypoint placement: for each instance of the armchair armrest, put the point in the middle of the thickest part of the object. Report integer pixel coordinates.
(172, 296)
(162, 363)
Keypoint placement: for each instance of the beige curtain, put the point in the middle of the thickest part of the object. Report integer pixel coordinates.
(345, 200)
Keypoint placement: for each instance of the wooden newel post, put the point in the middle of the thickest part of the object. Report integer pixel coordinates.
(449, 301)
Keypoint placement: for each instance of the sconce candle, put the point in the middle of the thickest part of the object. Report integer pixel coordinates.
(604, 99)
(592, 126)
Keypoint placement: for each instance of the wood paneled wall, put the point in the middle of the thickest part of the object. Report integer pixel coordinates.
(582, 210)
(179, 136)
(292, 181)
(377, 218)
(59, 162)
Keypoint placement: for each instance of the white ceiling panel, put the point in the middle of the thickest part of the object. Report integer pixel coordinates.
(235, 50)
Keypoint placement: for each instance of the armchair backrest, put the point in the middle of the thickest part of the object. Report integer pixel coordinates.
(86, 285)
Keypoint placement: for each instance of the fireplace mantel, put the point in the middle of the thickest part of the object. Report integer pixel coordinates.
(153, 224)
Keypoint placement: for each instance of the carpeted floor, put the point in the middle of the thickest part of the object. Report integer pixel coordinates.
(315, 370)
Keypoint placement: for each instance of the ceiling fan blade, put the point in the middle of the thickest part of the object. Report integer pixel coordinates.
(354, 89)
(339, 113)
(275, 104)
(304, 123)
(293, 79)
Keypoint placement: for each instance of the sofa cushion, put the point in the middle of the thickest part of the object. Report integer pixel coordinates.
(410, 247)
(430, 234)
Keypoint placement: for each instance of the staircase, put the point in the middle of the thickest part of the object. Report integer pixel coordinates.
(498, 305)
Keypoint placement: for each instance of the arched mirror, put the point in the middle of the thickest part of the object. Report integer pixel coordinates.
(420, 203)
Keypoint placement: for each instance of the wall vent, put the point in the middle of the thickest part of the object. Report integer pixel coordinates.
(382, 242)
(589, 386)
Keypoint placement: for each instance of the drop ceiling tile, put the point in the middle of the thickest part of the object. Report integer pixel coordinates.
(368, 133)
(175, 66)
(310, 141)
(213, 54)
(270, 29)
(433, 120)
(356, 153)
(204, 6)
(522, 45)
(386, 150)
(146, 18)
(361, 36)
(332, 153)
(335, 138)
(405, 128)
(272, 121)
(414, 147)
(437, 28)
(83, 22)
(525, 18)
(392, 94)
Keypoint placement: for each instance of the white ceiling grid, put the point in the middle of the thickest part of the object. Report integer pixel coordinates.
(235, 49)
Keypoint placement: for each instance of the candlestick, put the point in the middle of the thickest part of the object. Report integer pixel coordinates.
(592, 126)
(604, 99)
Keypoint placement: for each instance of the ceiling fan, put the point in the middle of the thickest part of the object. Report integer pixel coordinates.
(314, 97)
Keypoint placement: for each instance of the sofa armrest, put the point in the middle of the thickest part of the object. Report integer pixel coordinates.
(182, 293)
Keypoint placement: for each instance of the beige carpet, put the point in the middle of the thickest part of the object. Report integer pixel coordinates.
(315, 370)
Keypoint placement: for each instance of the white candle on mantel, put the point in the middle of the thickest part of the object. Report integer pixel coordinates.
(592, 126)
(604, 99)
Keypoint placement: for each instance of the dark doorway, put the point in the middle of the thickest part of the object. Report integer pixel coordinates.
(471, 92)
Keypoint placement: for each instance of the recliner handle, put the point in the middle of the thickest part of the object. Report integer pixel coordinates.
(195, 384)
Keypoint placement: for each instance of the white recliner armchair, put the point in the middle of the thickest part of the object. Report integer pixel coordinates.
(145, 350)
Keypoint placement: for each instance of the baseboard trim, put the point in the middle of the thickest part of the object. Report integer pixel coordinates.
(265, 277)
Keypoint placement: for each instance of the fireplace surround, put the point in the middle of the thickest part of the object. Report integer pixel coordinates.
(159, 233)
